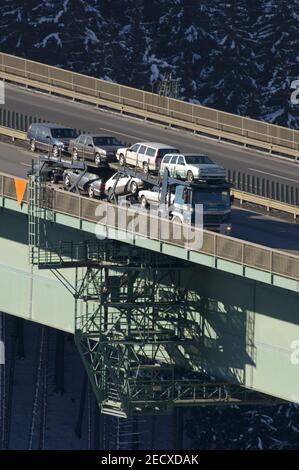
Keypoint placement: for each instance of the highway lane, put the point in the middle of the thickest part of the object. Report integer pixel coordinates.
(247, 225)
(88, 118)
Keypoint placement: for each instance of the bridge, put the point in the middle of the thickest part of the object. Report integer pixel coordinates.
(158, 320)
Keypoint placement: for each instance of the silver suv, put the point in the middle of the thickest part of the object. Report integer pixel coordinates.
(145, 155)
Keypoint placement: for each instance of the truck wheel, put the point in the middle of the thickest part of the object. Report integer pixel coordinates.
(97, 159)
(55, 151)
(90, 192)
(134, 187)
(75, 155)
(190, 176)
(32, 145)
(122, 160)
(145, 168)
(143, 202)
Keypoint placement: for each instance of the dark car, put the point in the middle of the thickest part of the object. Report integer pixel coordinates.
(100, 149)
(91, 181)
(50, 137)
(48, 170)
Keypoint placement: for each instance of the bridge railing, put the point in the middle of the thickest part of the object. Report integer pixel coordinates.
(146, 225)
(148, 105)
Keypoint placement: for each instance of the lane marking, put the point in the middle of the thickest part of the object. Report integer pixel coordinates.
(121, 133)
(25, 164)
(273, 174)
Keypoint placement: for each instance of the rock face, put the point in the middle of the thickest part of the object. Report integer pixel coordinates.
(239, 56)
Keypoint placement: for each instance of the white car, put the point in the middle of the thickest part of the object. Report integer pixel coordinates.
(122, 184)
(191, 167)
(148, 197)
(145, 155)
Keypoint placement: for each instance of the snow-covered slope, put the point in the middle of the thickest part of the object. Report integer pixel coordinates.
(240, 56)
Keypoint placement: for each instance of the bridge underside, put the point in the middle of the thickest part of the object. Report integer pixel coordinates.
(181, 317)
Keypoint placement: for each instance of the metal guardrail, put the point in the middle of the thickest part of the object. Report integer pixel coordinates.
(147, 105)
(13, 133)
(20, 121)
(269, 204)
(148, 226)
(265, 187)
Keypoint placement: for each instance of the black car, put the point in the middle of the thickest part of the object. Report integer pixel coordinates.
(48, 170)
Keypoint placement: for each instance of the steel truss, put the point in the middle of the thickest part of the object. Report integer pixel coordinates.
(137, 329)
(132, 326)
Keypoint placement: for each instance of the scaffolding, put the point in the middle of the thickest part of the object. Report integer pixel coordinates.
(169, 87)
(136, 326)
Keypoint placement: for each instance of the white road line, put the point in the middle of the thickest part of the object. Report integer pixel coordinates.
(272, 174)
(25, 164)
(121, 133)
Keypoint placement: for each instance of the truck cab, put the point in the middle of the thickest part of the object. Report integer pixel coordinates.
(213, 200)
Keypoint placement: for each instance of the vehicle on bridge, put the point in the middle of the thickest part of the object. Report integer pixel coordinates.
(122, 184)
(48, 170)
(87, 180)
(100, 149)
(192, 167)
(180, 199)
(144, 155)
(53, 138)
(149, 197)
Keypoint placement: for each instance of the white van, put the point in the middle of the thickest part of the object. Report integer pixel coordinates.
(145, 155)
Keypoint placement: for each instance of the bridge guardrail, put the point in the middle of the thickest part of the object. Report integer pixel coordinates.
(219, 246)
(269, 204)
(169, 111)
(13, 133)
(266, 187)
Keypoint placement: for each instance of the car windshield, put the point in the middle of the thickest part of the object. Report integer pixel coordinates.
(197, 159)
(106, 141)
(63, 133)
(213, 198)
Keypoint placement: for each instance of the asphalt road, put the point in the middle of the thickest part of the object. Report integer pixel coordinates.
(131, 130)
(247, 225)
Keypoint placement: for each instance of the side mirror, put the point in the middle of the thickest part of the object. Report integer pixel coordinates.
(90, 145)
(48, 137)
